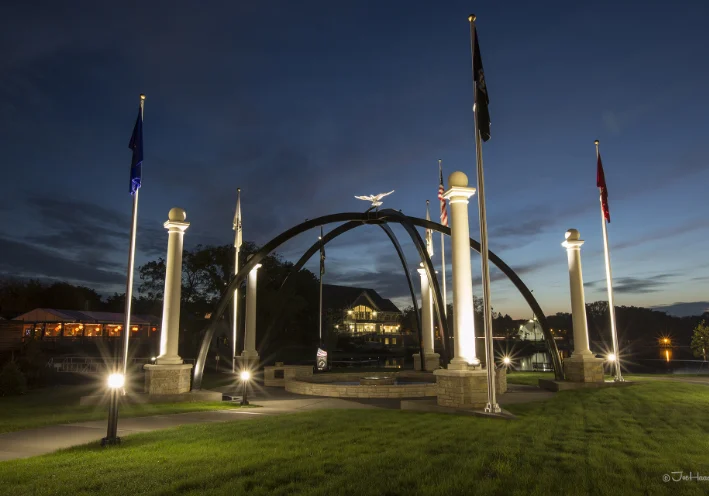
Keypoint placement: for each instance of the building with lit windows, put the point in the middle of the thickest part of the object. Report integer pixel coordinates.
(363, 313)
(51, 324)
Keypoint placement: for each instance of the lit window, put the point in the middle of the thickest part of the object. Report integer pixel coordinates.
(92, 330)
(393, 340)
(53, 330)
(113, 330)
(73, 330)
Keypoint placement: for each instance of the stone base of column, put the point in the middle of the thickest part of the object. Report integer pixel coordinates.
(167, 379)
(278, 375)
(466, 388)
(584, 368)
(248, 361)
(432, 361)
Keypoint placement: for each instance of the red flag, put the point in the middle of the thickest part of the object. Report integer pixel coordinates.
(601, 183)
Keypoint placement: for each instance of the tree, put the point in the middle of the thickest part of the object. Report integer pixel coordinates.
(700, 340)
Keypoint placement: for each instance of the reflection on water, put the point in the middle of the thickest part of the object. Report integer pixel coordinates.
(539, 362)
(668, 355)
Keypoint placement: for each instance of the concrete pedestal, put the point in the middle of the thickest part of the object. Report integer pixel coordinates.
(466, 388)
(167, 379)
(248, 361)
(278, 375)
(433, 361)
(586, 369)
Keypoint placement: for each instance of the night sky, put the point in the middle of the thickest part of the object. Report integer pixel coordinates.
(303, 108)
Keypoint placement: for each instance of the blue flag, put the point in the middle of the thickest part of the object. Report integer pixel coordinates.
(136, 144)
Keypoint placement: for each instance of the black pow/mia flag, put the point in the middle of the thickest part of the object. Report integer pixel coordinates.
(481, 97)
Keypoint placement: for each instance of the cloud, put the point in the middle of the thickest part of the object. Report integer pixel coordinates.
(637, 285)
(684, 309)
(658, 234)
(28, 260)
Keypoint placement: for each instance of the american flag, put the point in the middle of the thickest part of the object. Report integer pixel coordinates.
(441, 190)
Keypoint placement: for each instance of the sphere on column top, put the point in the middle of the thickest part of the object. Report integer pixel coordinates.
(458, 178)
(177, 215)
(572, 235)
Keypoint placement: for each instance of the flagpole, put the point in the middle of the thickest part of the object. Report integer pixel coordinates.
(443, 262)
(322, 262)
(609, 283)
(492, 405)
(235, 303)
(131, 265)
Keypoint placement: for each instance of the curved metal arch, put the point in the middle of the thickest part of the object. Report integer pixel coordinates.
(367, 218)
(405, 265)
(406, 223)
(521, 287)
(285, 290)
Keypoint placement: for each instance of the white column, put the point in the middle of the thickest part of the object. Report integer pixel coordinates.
(426, 313)
(463, 316)
(170, 332)
(250, 337)
(578, 304)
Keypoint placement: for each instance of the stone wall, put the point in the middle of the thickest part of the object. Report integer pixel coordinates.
(467, 388)
(590, 370)
(289, 372)
(346, 391)
(167, 379)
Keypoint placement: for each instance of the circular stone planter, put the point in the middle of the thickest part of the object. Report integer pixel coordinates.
(377, 381)
(365, 385)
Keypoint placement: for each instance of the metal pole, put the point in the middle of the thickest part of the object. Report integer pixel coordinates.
(244, 399)
(235, 315)
(492, 405)
(443, 271)
(131, 266)
(321, 276)
(235, 306)
(609, 283)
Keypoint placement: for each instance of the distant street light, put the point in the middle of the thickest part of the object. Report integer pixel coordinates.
(611, 357)
(244, 376)
(115, 382)
(506, 360)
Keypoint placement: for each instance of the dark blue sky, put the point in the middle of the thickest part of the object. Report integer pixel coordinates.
(305, 107)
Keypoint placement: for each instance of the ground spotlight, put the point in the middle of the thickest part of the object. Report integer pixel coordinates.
(115, 382)
(245, 376)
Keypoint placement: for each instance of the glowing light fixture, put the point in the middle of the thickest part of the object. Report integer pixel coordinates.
(245, 375)
(611, 357)
(116, 381)
(506, 360)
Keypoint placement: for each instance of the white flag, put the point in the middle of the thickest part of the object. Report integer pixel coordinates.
(238, 241)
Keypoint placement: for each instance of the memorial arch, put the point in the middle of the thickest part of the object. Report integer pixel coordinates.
(351, 221)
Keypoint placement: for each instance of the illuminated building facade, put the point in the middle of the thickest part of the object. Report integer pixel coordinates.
(362, 312)
(51, 324)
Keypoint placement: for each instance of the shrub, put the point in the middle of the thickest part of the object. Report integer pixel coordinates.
(12, 380)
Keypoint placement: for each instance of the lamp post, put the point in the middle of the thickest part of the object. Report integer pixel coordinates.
(115, 382)
(245, 375)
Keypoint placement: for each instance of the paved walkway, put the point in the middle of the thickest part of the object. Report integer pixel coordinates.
(273, 401)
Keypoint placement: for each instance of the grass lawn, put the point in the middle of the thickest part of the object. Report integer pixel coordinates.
(608, 441)
(60, 405)
(528, 378)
